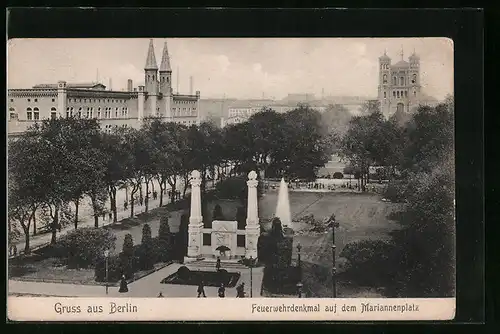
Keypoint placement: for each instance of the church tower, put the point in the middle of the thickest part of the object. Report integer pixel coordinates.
(414, 76)
(166, 82)
(151, 78)
(384, 88)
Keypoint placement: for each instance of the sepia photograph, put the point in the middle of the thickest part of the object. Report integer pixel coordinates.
(231, 168)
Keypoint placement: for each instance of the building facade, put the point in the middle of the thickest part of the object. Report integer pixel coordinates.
(399, 86)
(112, 108)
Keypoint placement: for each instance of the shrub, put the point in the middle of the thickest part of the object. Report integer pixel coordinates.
(116, 268)
(165, 241)
(370, 261)
(183, 272)
(85, 246)
(146, 252)
(338, 175)
(395, 191)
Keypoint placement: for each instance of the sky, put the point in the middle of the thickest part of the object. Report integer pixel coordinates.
(233, 67)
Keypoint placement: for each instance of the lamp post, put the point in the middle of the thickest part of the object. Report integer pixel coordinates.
(251, 277)
(106, 256)
(299, 284)
(334, 269)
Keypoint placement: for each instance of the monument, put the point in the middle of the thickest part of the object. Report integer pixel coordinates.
(224, 239)
(283, 205)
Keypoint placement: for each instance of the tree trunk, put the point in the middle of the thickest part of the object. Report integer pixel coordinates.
(34, 221)
(146, 198)
(27, 249)
(132, 202)
(186, 183)
(162, 188)
(55, 225)
(77, 206)
(173, 188)
(112, 199)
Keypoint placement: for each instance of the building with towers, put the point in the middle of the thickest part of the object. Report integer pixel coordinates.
(112, 108)
(399, 88)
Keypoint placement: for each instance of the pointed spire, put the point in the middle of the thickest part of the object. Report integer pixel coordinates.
(402, 53)
(165, 60)
(151, 59)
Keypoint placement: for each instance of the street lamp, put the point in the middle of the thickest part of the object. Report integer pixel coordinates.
(299, 289)
(299, 284)
(334, 269)
(106, 256)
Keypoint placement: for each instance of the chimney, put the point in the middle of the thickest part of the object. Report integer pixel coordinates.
(191, 85)
(129, 85)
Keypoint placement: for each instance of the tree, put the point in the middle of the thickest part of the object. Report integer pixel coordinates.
(165, 239)
(146, 256)
(85, 246)
(131, 147)
(127, 255)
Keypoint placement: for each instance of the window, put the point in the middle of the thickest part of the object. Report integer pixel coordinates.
(53, 115)
(29, 100)
(11, 100)
(29, 114)
(384, 80)
(98, 114)
(402, 81)
(394, 93)
(36, 100)
(414, 79)
(397, 94)
(385, 95)
(240, 240)
(36, 114)
(207, 239)
(394, 81)
(53, 100)
(414, 93)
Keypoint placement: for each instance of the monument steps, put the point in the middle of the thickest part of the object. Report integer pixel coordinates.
(211, 265)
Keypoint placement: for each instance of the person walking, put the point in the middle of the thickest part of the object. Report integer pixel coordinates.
(222, 291)
(240, 291)
(125, 205)
(123, 285)
(160, 295)
(217, 264)
(201, 290)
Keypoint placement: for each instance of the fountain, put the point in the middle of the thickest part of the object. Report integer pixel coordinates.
(283, 206)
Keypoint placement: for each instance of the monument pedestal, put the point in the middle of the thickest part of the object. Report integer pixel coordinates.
(252, 233)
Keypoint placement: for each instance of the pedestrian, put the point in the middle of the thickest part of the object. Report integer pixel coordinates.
(217, 264)
(240, 291)
(201, 290)
(125, 205)
(160, 295)
(123, 285)
(222, 291)
(155, 195)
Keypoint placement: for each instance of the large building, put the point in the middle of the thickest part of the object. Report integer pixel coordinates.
(399, 86)
(112, 108)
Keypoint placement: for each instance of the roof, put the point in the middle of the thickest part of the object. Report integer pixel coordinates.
(384, 57)
(165, 60)
(89, 85)
(401, 63)
(151, 59)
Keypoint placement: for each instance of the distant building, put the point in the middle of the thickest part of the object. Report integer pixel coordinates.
(112, 108)
(399, 87)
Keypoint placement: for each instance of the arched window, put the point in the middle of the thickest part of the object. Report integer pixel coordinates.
(29, 114)
(385, 95)
(394, 81)
(167, 79)
(414, 79)
(402, 81)
(384, 80)
(13, 113)
(53, 113)
(397, 94)
(394, 93)
(36, 114)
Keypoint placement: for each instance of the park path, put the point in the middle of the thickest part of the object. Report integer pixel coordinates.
(147, 287)
(87, 220)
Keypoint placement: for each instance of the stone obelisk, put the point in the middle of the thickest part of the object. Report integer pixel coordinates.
(252, 230)
(195, 226)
